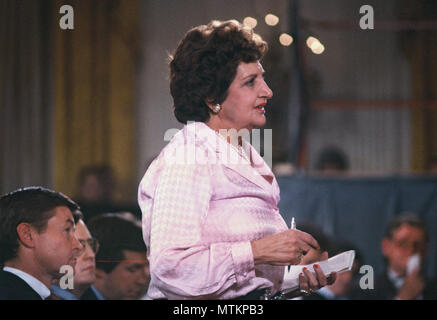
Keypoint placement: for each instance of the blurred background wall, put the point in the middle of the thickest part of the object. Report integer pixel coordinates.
(26, 94)
(99, 94)
(94, 98)
(355, 109)
(68, 96)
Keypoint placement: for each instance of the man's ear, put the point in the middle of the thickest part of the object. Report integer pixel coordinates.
(386, 246)
(26, 234)
(210, 104)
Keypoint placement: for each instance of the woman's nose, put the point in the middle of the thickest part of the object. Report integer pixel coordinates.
(266, 91)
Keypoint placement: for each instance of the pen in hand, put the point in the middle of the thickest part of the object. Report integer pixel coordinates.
(293, 224)
(293, 227)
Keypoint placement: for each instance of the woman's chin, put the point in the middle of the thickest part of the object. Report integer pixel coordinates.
(260, 123)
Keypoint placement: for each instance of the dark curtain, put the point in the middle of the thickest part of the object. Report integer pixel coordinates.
(25, 94)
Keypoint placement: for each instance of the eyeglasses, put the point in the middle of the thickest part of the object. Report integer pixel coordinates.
(92, 243)
(406, 245)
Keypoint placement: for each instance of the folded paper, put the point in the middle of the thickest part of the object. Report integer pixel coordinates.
(340, 263)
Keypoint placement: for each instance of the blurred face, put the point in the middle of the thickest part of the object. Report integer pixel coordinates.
(85, 269)
(129, 279)
(91, 189)
(247, 97)
(406, 241)
(57, 245)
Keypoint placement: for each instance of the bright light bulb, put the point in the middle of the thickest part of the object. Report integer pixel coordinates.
(271, 19)
(311, 41)
(315, 45)
(318, 48)
(250, 22)
(285, 39)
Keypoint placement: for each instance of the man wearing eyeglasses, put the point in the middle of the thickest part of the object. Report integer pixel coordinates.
(84, 270)
(404, 247)
(122, 268)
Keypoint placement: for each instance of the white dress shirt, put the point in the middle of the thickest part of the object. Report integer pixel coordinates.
(398, 282)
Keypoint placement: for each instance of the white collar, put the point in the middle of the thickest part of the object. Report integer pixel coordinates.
(397, 280)
(33, 282)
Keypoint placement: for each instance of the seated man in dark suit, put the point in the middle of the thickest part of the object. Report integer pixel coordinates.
(36, 239)
(122, 268)
(406, 236)
(84, 270)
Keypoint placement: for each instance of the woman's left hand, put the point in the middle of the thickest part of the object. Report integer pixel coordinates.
(310, 282)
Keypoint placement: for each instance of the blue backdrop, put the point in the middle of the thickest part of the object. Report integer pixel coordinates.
(358, 209)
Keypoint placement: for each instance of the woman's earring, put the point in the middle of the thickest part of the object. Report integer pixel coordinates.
(217, 108)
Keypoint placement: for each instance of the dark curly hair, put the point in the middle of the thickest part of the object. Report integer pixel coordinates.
(405, 218)
(33, 205)
(205, 63)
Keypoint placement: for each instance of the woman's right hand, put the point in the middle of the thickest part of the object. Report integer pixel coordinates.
(283, 249)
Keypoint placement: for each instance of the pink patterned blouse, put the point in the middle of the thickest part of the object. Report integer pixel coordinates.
(201, 209)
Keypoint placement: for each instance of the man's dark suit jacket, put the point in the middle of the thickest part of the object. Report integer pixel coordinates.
(385, 290)
(13, 287)
(89, 295)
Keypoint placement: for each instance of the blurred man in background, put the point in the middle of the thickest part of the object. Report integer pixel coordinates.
(96, 185)
(332, 160)
(96, 192)
(84, 270)
(405, 247)
(122, 267)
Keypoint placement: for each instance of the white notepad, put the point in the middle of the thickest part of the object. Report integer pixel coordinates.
(340, 263)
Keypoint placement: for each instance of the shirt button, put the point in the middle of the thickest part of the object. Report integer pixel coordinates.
(245, 274)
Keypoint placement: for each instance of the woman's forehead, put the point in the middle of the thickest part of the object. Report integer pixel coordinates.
(247, 69)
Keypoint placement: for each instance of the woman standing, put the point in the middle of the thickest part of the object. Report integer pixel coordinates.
(211, 224)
